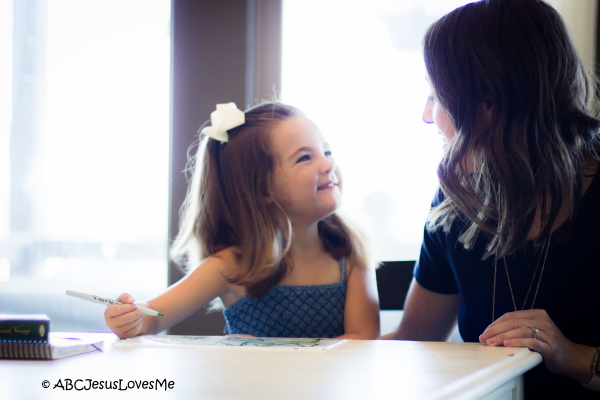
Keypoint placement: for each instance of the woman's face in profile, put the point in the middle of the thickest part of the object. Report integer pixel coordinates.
(434, 113)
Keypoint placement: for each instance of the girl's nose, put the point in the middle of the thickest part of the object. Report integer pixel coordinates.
(327, 166)
(428, 111)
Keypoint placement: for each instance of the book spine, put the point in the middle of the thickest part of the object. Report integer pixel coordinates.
(34, 331)
(46, 352)
(25, 350)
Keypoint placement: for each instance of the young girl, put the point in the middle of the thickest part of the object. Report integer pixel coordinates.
(259, 222)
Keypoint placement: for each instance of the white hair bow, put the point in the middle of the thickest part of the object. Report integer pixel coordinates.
(227, 116)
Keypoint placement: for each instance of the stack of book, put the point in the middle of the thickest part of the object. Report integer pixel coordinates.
(29, 337)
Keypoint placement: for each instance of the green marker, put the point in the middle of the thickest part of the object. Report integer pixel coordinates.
(110, 302)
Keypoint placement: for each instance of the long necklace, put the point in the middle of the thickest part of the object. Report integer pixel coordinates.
(546, 247)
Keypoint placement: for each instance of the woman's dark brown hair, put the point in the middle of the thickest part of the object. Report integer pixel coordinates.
(225, 206)
(525, 154)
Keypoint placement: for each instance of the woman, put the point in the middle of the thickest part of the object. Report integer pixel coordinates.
(512, 243)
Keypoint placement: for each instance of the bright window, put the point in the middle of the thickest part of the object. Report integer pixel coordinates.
(356, 68)
(84, 139)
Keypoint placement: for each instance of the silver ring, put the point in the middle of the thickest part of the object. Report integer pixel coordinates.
(534, 331)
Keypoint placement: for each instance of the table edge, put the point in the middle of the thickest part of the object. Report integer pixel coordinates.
(486, 380)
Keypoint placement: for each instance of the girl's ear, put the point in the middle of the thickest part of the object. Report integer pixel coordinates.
(268, 195)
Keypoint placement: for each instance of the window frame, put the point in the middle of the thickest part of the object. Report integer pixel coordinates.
(213, 61)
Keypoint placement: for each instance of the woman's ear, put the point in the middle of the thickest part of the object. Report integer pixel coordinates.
(486, 112)
(487, 108)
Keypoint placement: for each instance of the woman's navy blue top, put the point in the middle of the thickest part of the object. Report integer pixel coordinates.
(569, 290)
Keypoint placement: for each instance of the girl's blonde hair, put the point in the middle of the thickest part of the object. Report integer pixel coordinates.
(226, 207)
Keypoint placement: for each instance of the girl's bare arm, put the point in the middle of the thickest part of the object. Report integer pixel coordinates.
(361, 313)
(178, 302)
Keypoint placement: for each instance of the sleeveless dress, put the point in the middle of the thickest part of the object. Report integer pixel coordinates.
(314, 311)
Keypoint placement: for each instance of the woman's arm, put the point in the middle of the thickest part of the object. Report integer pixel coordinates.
(180, 300)
(361, 312)
(428, 316)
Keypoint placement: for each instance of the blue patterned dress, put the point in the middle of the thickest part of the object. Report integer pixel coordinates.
(315, 311)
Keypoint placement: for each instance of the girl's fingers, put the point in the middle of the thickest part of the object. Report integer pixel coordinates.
(129, 318)
(115, 311)
(131, 329)
(125, 325)
(126, 298)
(126, 319)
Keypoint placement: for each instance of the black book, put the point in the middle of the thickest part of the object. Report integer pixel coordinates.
(31, 328)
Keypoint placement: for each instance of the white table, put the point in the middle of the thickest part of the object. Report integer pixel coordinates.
(355, 370)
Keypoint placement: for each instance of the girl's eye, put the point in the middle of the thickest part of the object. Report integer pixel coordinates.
(328, 153)
(305, 157)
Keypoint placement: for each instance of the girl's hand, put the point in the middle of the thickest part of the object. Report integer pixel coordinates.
(124, 320)
(535, 330)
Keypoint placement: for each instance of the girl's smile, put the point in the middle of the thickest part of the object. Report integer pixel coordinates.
(327, 186)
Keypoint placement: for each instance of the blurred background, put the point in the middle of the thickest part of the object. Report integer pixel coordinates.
(100, 100)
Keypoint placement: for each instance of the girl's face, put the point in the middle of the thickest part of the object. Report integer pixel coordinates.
(434, 113)
(306, 181)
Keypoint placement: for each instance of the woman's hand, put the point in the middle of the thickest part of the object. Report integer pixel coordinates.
(124, 320)
(535, 330)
